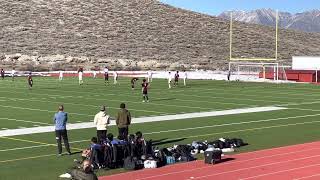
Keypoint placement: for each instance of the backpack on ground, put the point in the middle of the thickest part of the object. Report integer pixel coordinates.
(212, 156)
(132, 163)
(170, 160)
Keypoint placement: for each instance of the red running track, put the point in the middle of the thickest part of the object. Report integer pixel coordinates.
(298, 162)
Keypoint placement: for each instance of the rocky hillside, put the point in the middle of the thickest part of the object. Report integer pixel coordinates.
(131, 34)
(308, 21)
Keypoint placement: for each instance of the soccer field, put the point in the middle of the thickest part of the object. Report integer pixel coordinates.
(34, 156)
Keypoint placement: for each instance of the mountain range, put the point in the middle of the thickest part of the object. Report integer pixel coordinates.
(308, 21)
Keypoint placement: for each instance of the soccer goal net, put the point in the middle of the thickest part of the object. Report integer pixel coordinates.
(249, 71)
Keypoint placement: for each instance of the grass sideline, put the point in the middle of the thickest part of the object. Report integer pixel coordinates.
(23, 108)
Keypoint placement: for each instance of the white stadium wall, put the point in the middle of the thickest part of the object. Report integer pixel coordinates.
(305, 63)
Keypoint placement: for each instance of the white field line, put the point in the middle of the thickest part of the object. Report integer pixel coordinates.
(308, 177)
(278, 172)
(78, 104)
(42, 110)
(243, 130)
(14, 132)
(235, 123)
(44, 145)
(247, 90)
(130, 95)
(33, 122)
(203, 127)
(181, 94)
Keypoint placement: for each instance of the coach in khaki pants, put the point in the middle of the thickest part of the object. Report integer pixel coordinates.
(123, 121)
(101, 120)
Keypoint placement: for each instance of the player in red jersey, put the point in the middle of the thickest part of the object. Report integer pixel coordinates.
(2, 74)
(176, 78)
(30, 81)
(145, 86)
(133, 82)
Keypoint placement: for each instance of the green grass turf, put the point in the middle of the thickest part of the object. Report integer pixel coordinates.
(28, 157)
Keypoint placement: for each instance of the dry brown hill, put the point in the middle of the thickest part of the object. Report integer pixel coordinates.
(131, 33)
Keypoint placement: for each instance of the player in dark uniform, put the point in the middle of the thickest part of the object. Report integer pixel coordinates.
(176, 78)
(30, 81)
(106, 75)
(2, 74)
(145, 87)
(133, 82)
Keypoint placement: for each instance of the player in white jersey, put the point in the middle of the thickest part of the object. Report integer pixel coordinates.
(60, 75)
(13, 73)
(169, 80)
(80, 73)
(94, 73)
(149, 76)
(185, 76)
(115, 77)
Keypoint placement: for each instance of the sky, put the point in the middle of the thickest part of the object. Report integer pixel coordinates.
(215, 7)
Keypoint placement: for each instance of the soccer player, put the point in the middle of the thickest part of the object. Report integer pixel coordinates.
(2, 74)
(228, 76)
(80, 73)
(133, 81)
(30, 81)
(185, 75)
(61, 75)
(106, 75)
(176, 78)
(94, 74)
(145, 86)
(150, 76)
(13, 72)
(169, 80)
(115, 77)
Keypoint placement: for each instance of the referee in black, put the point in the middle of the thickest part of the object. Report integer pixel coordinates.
(60, 120)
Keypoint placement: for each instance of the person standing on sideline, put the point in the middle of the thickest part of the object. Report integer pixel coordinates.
(13, 73)
(80, 73)
(169, 79)
(115, 77)
(228, 76)
(145, 86)
(106, 75)
(60, 120)
(185, 76)
(60, 75)
(123, 121)
(149, 76)
(101, 120)
(30, 81)
(2, 74)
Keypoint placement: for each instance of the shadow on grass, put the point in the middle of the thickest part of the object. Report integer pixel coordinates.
(161, 142)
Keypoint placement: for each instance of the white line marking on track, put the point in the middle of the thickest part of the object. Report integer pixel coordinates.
(277, 172)
(307, 177)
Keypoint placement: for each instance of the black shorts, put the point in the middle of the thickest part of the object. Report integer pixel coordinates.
(176, 80)
(145, 93)
(106, 77)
